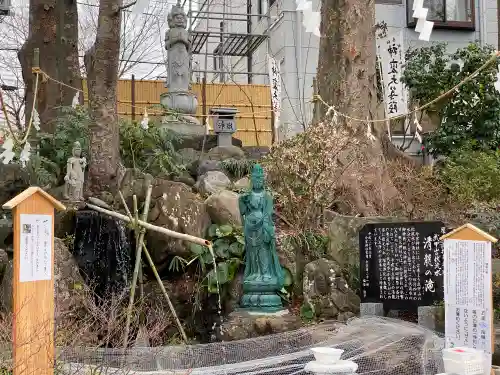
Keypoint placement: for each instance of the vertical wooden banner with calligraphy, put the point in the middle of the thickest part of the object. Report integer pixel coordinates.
(468, 292)
(275, 85)
(390, 51)
(33, 284)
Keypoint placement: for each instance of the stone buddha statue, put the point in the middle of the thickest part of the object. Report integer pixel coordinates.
(263, 276)
(179, 100)
(75, 169)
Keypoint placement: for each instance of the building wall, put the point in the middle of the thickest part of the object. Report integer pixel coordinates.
(297, 50)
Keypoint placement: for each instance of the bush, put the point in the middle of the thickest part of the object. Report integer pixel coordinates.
(228, 247)
(473, 112)
(472, 175)
(55, 149)
(304, 172)
(150, 150)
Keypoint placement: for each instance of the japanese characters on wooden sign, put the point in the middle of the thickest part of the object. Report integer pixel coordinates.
(275, 84)
(467, 294)
(401, 264)
(390, 52)
(468, 290)
(36, 248)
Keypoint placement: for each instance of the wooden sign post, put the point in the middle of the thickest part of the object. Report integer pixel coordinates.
(33, 284)
(468, 292)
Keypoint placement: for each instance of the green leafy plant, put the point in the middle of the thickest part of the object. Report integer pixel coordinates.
(42, 171)
(473, 112)
(228, 248)
(237, 168)
(307, 312)
(72, 124)
(150, 150)
(472, 175)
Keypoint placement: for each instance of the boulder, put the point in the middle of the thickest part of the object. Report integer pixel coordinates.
(256, 152)
(175, 207)
(343, 232)
(185, 178)
(197, 142)
(223, 208)
(207, 166)
(242, 184)
(326, 292)
(134, 182)
(212, 182)
(241, 325)
(6, 231)
(225, 152)
(13, 180)
(4, 261)
(67, 279)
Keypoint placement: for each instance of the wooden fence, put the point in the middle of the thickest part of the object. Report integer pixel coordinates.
(253, 103)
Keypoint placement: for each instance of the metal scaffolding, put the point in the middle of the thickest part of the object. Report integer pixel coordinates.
(227, 44)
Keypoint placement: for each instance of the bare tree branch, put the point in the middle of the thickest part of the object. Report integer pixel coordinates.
(127, 6)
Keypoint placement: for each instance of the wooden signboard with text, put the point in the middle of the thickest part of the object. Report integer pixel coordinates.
(468, 294)
(33, 284)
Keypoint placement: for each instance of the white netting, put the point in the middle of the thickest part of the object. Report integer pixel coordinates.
(379, 346)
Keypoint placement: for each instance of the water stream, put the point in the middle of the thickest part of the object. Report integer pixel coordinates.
(102, 250)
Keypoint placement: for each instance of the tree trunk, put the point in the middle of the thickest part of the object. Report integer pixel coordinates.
(102, 63)
(347, 79)
(53, 29)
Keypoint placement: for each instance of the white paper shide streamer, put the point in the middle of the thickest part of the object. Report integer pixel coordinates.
(497, 83)
(145, 120)
(418, 128)
(423, 27)
(25, 154)
(311, 19)
(275, 84)
(76, 100)
(8, 154)
(35, 118)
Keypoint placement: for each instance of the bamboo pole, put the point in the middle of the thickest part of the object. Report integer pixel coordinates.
(154, 228)
(157, 276)
(164, 291)
(137, 259)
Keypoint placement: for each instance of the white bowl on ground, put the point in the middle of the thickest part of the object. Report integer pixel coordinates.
(327, 355)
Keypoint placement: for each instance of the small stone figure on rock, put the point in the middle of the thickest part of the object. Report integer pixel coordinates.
(75, 168)
(263, 276)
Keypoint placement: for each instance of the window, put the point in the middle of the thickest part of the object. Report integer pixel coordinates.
(446, 14)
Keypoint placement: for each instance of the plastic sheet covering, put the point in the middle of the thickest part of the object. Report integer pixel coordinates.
(380, 346)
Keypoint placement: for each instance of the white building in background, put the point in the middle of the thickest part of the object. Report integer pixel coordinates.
(457, 22)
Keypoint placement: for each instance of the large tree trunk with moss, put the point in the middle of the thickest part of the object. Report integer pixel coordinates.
(102, 62)
(53, 29)
(347, 79)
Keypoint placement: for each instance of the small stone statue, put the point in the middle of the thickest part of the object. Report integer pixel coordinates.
(263, 276)
(178, 45)
(179, 100)
(73, 188)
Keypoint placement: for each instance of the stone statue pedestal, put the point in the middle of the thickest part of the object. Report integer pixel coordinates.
(241, 324)
(183, 103)
(261, 296)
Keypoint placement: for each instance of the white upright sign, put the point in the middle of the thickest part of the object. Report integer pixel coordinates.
(275, 84)
(36, 248)
(467, 295)
(390, 50)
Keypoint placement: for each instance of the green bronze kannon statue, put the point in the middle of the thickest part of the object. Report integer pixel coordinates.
(264, 276)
